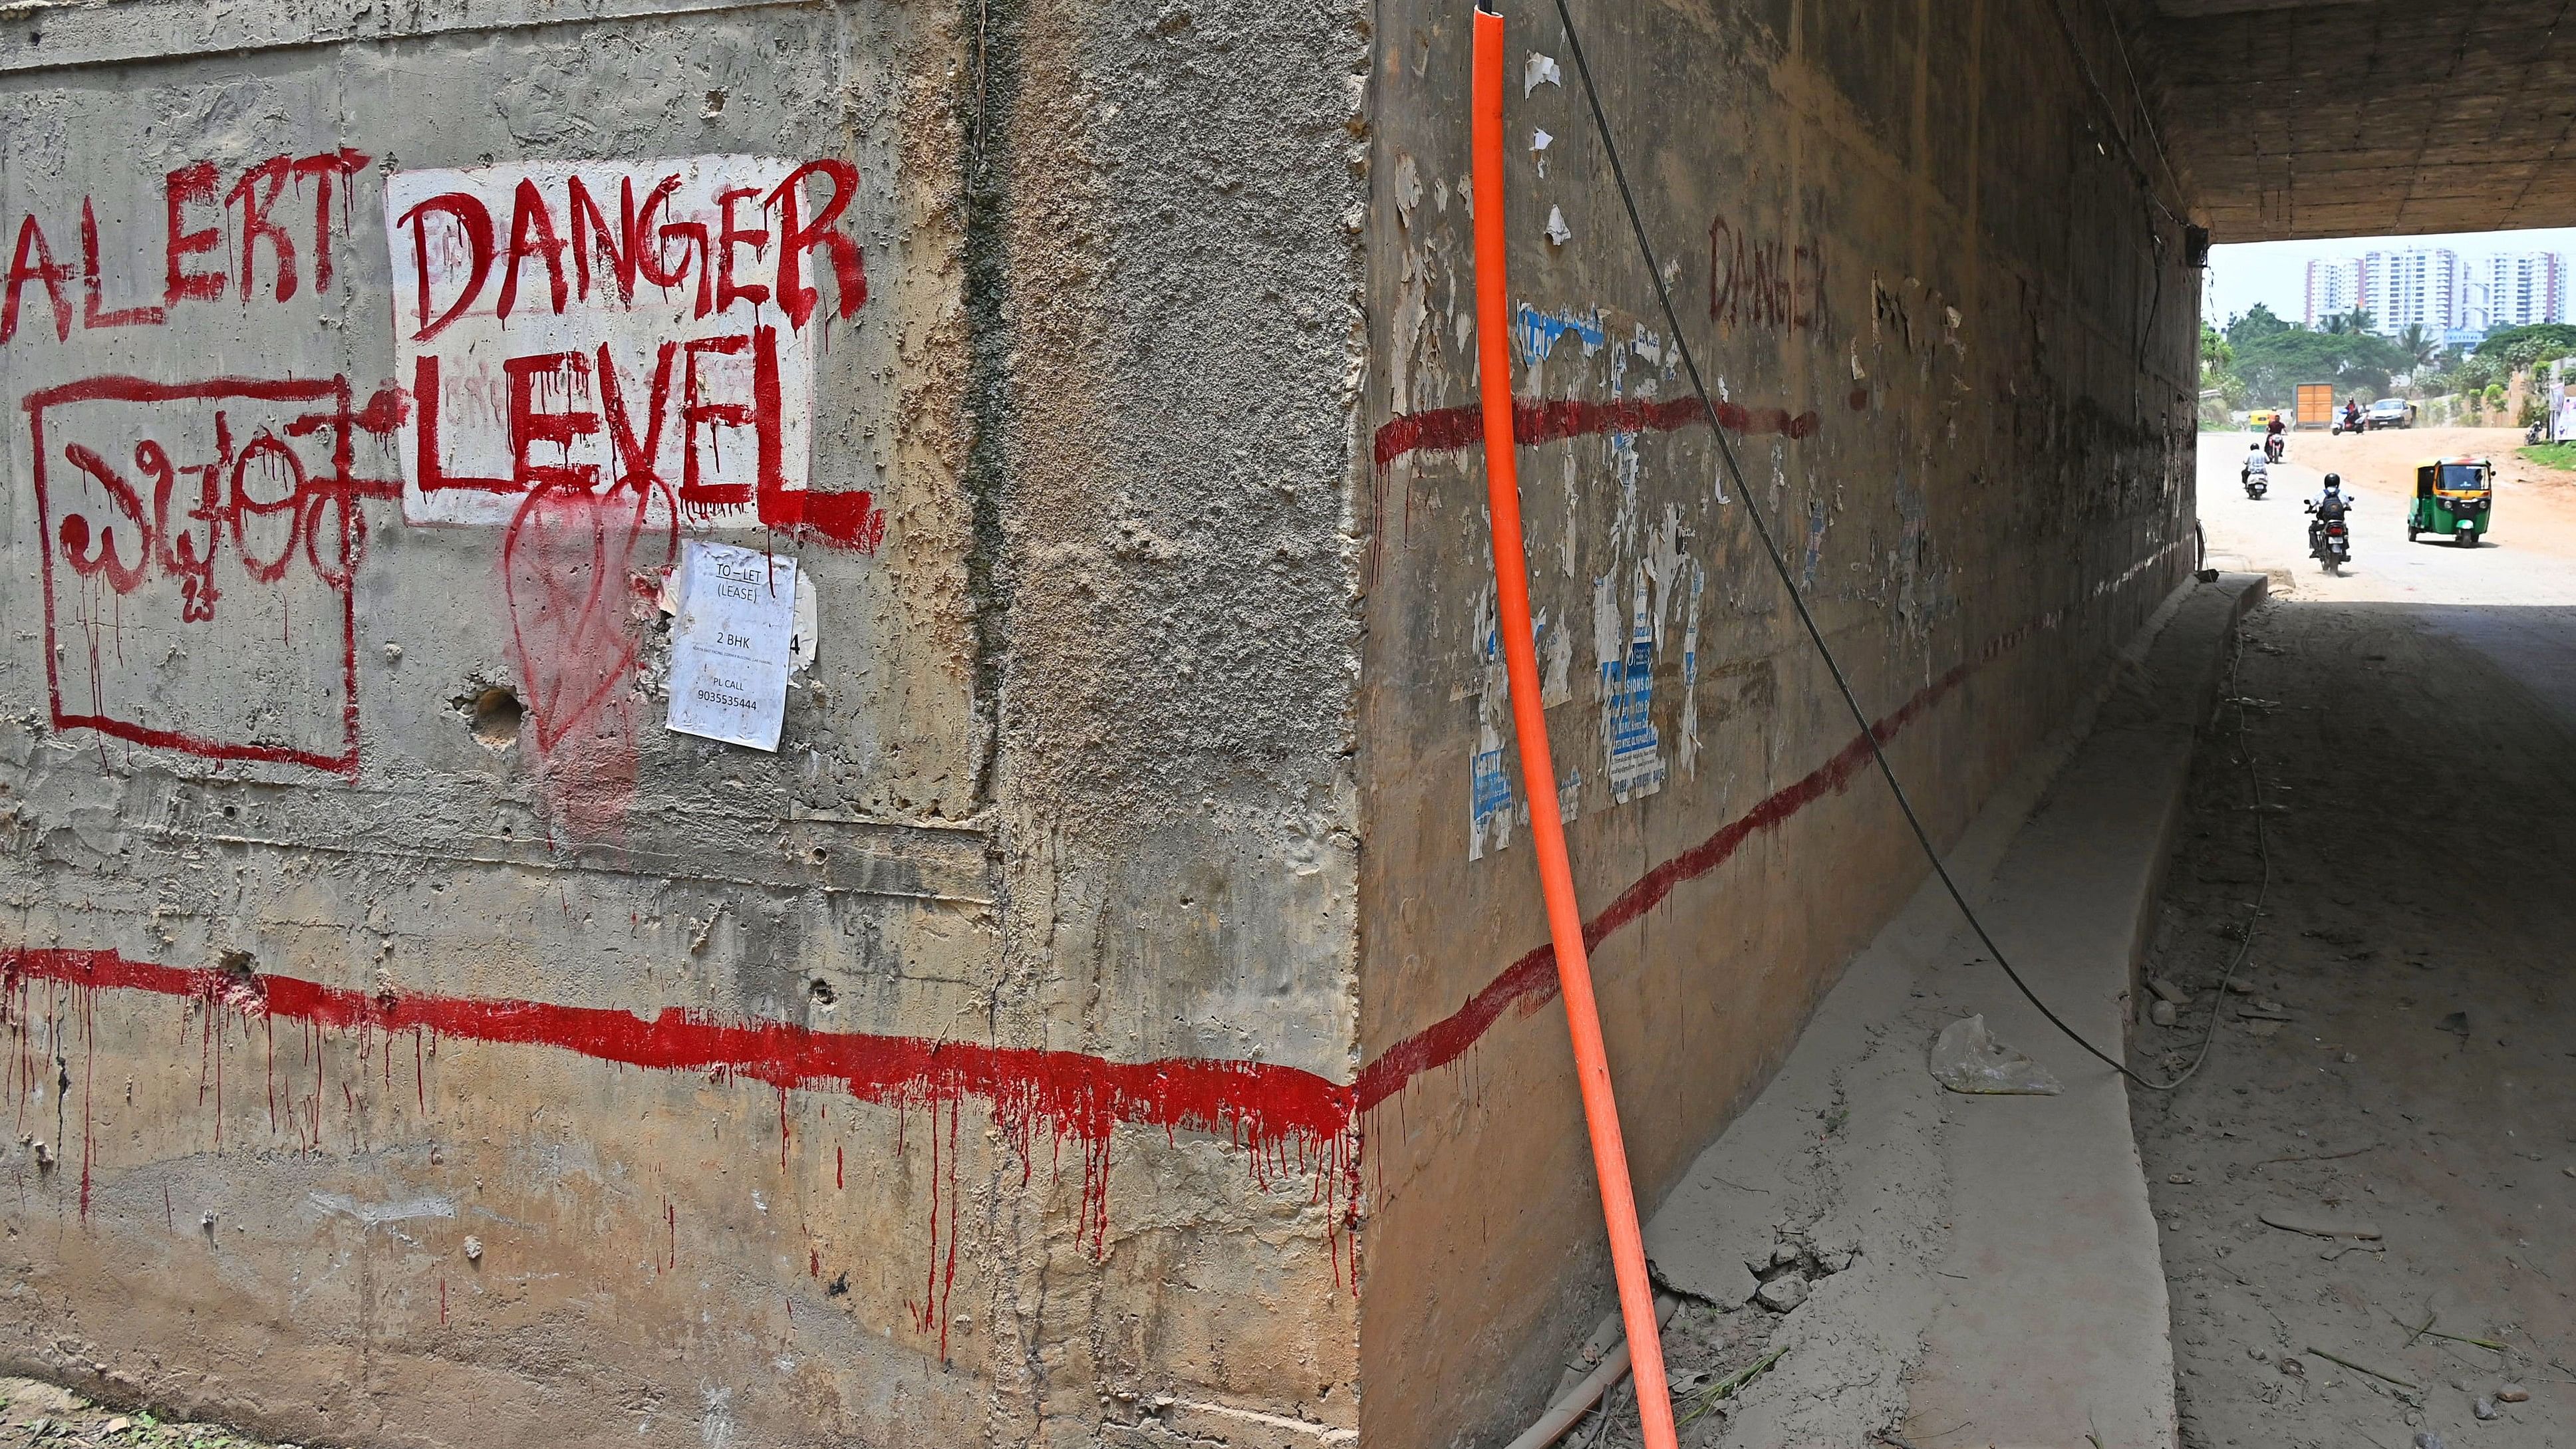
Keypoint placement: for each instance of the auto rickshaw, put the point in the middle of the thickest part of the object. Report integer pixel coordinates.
(2454, 499)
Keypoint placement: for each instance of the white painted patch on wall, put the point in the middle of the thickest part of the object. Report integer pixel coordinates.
(1540, 71)
(535, 360)
(715, 1419)
(377, 1214)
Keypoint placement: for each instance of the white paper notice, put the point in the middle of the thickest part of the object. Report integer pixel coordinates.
(730, 644)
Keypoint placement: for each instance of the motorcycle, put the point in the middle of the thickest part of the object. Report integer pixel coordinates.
(2256, 480)
(2536, 433)
(2330, 541)
(2276, 447)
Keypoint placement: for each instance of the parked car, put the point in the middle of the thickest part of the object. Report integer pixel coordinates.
(2389, 412)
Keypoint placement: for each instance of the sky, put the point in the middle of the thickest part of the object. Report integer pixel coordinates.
(2276, 273)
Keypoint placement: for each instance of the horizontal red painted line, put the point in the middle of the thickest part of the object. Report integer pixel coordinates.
(1535, 420)
(1074, 1093)
(1531, 981)
(1071, 1093)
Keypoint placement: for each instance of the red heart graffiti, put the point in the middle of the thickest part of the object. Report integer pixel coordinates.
(565, 565)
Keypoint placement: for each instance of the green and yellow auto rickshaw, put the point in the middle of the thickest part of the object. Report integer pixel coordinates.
(2454, 499)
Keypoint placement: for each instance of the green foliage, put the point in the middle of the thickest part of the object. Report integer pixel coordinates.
(2494, 396)
(2256, 325)
(2422, 349)
(2512, 349)
(2552, 455)
(2214, 351)
(2273, 363)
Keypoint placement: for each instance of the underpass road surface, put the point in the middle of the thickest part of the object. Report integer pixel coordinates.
(2414, 727)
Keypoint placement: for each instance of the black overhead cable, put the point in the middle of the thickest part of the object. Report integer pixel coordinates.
(1798, 601)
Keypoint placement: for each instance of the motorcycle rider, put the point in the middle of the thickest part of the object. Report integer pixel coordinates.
(2275, 439)
(2352, 415)
(2257, 465)
(2331, 505)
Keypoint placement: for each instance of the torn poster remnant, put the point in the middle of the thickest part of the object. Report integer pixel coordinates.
(1489, 790)
(1636, 762)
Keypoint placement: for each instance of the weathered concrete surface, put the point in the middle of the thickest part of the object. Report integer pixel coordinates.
(412, 1036)
(2320, 118)
(412, 1040)
(2059, 1329)
(2002, 1265)
(1958, 336)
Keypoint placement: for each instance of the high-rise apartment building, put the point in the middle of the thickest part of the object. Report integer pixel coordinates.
(2521, 288)
(2418, 287)
(2439, 290)
(2334, 288)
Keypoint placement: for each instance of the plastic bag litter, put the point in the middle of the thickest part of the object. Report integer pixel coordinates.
(1966, 1059)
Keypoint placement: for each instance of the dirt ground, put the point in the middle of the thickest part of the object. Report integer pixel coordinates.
(2413, 727)
(36, 1413)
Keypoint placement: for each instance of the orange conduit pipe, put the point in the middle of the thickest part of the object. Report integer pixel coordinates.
(1529, 724)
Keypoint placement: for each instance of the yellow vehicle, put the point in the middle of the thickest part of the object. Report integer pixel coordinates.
(2454, 499)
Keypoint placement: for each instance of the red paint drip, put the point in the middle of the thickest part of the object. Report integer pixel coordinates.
(89, 1073)
(1287, 1120)
(442, 1303)
(837, 1168)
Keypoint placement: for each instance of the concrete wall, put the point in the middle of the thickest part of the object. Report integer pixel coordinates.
(410, 1039)
(1960, 375)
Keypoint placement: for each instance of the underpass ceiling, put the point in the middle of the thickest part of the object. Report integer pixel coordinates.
(2320, 118)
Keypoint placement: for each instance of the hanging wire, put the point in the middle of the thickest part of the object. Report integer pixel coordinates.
(1806, 618)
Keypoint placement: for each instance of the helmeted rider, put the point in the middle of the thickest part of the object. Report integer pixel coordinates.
(2352, 415)
(2256, 465)
(2333, 504)
(2273, 437)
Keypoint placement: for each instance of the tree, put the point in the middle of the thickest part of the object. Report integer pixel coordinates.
(2511, 349)
(2274, 364)
(2215, 354)
(2256, 325)
(2356, 320)
(2423, 349)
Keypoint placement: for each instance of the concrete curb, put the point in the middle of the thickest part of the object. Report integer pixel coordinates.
(2007, 1272)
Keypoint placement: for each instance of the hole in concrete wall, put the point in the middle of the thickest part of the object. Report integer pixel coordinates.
(494, 712)
(715, 104)
(821, 991)
(237, 964)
